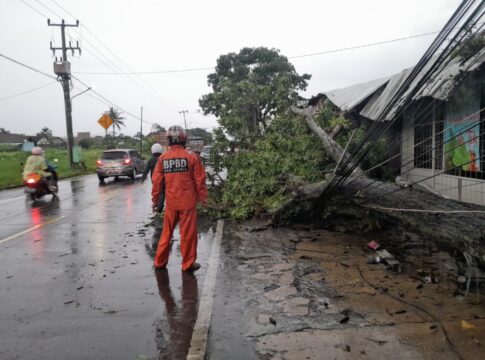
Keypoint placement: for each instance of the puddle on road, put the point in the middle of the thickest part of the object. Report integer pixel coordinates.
(174, 330)
(179, 293)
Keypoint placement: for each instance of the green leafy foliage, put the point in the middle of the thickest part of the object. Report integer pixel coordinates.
(378, 154)
(13, 164)
(249, 89)
(258, 178)
(329, 118)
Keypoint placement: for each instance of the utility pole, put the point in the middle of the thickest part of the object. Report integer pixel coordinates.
(141, 132)
(183, 112)
(63, 72)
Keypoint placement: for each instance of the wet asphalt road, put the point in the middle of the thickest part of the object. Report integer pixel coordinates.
(80, 285)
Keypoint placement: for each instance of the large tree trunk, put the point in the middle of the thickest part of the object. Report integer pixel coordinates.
(364, 200)
(335, 152)
(333, 149)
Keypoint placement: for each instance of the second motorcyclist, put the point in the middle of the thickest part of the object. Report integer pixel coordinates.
(36, 164)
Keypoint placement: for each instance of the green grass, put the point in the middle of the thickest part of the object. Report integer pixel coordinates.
(11, 164)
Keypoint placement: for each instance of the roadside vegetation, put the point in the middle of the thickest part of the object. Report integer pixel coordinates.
(13, 164)
(267, 149)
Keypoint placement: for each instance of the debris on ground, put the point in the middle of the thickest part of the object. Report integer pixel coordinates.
(340, 304)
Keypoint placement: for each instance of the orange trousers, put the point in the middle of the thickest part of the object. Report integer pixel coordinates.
(188, 237)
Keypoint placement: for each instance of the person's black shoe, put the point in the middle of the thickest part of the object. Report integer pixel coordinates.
(195, 266)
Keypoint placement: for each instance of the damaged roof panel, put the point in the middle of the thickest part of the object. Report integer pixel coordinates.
(351, 96)
(380, 92)
(443, 83)
(377, 103)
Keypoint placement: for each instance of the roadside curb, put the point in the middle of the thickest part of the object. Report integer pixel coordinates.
(198, 344)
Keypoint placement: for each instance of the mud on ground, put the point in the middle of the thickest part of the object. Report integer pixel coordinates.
(310, 294)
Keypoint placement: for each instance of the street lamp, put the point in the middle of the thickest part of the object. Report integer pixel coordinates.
(82, 92)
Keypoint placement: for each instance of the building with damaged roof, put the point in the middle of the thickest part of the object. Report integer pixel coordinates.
(437, 135)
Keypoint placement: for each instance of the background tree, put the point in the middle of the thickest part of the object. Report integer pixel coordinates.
(249, 89)
(117, 117)
(44, 133)
(157, 128)
(4, 131)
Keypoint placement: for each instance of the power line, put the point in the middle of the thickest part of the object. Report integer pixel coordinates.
(289, 57)
(152, 92)
(425, 140)
(420, 181)
(407, 91)
(144, 90)
(107, 101)
(48, 9)
(363, 45)
(148, 72)
(36, 10)
(27, 91)
(412, 157)
(27, 66)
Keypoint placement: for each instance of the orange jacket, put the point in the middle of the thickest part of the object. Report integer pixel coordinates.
(184, 177)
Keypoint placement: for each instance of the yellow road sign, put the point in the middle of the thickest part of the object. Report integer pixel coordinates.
(105, 121)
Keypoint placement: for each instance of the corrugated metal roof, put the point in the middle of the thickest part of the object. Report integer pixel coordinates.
(441, 85)
(374, 107)
(347, 98)
(381, 91)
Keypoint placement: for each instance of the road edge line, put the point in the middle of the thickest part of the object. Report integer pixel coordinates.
(26, 231)
(198, 344)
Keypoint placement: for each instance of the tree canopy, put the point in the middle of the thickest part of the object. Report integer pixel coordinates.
(44, 133)
(249, 89)
(156, 127)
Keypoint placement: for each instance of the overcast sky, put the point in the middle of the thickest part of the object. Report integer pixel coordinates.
(156, 35)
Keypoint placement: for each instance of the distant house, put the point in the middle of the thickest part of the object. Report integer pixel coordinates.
(195, 143)
(83, 136)
(13, 139)
(437, 139)
(53, 142)
(161, 138)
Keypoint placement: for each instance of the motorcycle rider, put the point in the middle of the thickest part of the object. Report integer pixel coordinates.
(157, 150)
(36, 164)
(184, 177)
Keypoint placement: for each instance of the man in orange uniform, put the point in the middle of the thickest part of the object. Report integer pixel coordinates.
(184, 177)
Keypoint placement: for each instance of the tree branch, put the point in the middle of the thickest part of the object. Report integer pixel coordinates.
(333, 149)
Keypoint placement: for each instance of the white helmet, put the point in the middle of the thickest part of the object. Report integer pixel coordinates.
(157, 148)
(37, 150)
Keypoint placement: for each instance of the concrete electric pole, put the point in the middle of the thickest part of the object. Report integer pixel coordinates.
(63, 71)
(183, 112)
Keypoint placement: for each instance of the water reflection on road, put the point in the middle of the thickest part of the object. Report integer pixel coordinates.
(173, 340)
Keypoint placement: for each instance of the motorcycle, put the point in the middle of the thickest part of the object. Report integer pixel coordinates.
(37, 186)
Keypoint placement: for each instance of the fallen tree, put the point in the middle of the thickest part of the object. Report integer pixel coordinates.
(369, 203)
(313, 192)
